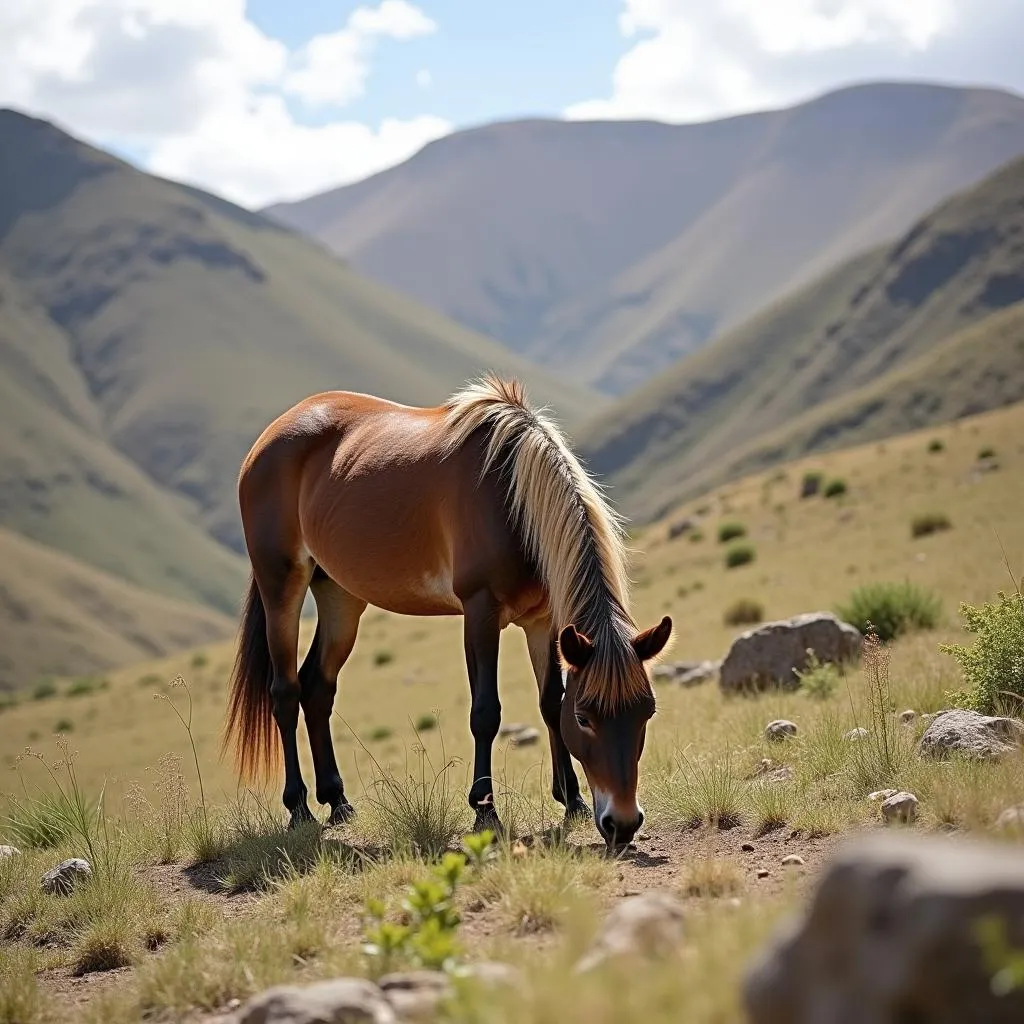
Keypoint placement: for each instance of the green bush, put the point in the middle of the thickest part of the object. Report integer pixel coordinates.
(987, 453)
(382, 658)
(696, 536)
(993, 666)
(891, 609)
(64, 725)
(739, 554)
(936, 445)
(835, 488)
(378, 733)
(44, 690)
(200, 660)
(744, 612)
(730, 531)
(928, 523)
(426, 722)
(811, 484)
(86, 685)
(818, 679)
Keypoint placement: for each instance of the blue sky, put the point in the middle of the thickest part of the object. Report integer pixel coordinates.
(263, 100)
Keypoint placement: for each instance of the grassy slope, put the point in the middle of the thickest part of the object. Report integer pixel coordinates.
(633, 243)
(822, 358)
(61, 617)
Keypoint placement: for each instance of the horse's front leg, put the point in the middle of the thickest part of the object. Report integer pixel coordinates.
(481, 633)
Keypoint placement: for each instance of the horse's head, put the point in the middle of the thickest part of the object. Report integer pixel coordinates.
(607, 736)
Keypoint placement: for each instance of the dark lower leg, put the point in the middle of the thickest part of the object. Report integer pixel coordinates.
(285, 696)
(481, 639)
(317, 703)
(565, 786)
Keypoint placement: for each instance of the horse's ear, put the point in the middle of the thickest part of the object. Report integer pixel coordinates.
(651, 642)
(575, 647)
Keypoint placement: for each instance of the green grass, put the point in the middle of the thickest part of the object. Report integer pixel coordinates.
(891, 609)
(743, 612)
(730, 531)
(739, 554)
(835, 489)
(927, 523)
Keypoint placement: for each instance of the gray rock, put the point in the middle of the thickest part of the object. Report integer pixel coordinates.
(779, 730)
(908, 717)
(338, 1001)
(1011, 820)
(889, 936)
(899, 808)
(881, 794)
(416, 995)
(793, 860)
(511, 728)
(60, 881)
(856, 735)
(970, 734)
(772, 654)
(492, 973)
(648, 925)
(681, 526)
(781, 774)
(526, 737)
(685, 673)
(9, 851)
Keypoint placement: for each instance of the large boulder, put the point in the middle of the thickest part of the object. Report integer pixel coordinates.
(338, 1001)
(891, 935)
(970, 734)
(772, 654)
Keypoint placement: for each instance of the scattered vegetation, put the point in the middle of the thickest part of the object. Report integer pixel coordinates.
(928, 523)
(730, 531)
(835, 488)
(379, 733)
(891, 609)
(86, 685)
(936, 444)
(811, 484)
(64, 725)
(44, 690)
(383, 658)
(425, 723)
(739, 554)
(744, 612)
(819, 679)
(199, 660)
(987, 452)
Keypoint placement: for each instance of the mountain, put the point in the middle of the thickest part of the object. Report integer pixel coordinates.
(608, 250)
(917, 332)
(59, 616)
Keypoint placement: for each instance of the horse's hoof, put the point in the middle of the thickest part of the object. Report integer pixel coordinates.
(300, 816)
(487, 818)
(578, 811)
(341, 815)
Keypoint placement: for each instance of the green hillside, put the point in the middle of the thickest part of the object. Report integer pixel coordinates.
(877, 346)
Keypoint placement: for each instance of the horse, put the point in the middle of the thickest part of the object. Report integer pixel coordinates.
(476, 507)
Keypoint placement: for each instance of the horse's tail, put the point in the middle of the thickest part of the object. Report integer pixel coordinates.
(250, 722)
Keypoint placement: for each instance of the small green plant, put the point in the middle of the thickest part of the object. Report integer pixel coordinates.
(936, 444)
(739, 554)
(8, 700)
(379, 733)
(425, 723)
(86, 685)
(381, 658)
(879, 759)
(696, 536)
(835, 488)
(64, 725)
(818, 679)
(44, 690)
(891, 609)
(730, 531)
(993, 666)
(811, 484)
(427, 938)
(928, 523)
(987, 453)
(744, 612)
(200, 660)
(1003, 960)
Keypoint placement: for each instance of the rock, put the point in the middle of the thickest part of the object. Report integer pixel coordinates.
(881, 794)
(781, 774)
(772, 654)
(978, 736)
(900, 807)
(59, 881)
(908, 716)
(9, 851)
(810, 486)
(1011, 820)
(763, 873)
(792, 861)
(511, 728)
(686, 673)
(338, 1001)
(649, 925)
(889, 935)
(780, 729)
(747, 847)
(492, 973)
(526, 738)
(856, 735)
(416, 995)
(681, 526)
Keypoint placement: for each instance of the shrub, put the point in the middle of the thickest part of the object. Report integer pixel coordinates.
(987, 453)
(936, 445)
(382, 658)
(730, 531)
(200, 660)
(891, 609)
(993, 666)
(810, 484)
(696, 536)
(928, 523)
(426, 722)
(835, 488)
(744, 612)
(85, 685)
(739, 554)
(378, 733)
(64, 725)
(44, 690)
(818, 678)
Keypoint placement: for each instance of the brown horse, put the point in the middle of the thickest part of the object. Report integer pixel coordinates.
(476, 507)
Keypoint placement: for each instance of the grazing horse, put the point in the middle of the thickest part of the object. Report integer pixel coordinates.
(476, 508)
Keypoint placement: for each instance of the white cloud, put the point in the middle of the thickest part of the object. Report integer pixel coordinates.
(424, 78)
(695, 59)
(201, 91)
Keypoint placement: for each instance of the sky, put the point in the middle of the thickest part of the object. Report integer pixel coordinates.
(267, 100)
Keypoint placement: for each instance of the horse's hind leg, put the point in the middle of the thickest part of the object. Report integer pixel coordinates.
(338, 615)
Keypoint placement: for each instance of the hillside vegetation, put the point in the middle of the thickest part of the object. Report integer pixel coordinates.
(921, 331)
(608, 250)
(149, 332)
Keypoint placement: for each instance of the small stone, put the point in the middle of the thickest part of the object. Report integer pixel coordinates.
(779, 730)
(734, 901)
(511, 728)
(526, 737)
(642, 837)
(747, 847)
(518, 849)
(908, 716)
(234, 1004)
(856, 735)
(9, 851)
(648, 925)
(492, 973)
(60, 881)
(781, 774)
(1012, 819)
(338, 1001)
(901, 807)
(763, 873)
(416, 995)
(881, 794)
(792, 860)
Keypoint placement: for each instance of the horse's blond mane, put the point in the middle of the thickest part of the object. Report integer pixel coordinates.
(569, 528)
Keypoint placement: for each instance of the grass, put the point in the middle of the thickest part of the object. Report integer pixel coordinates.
(891, 609)
(927, 523)
(835, 488)
(743, 612)
(739, 554)
(730, 531)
